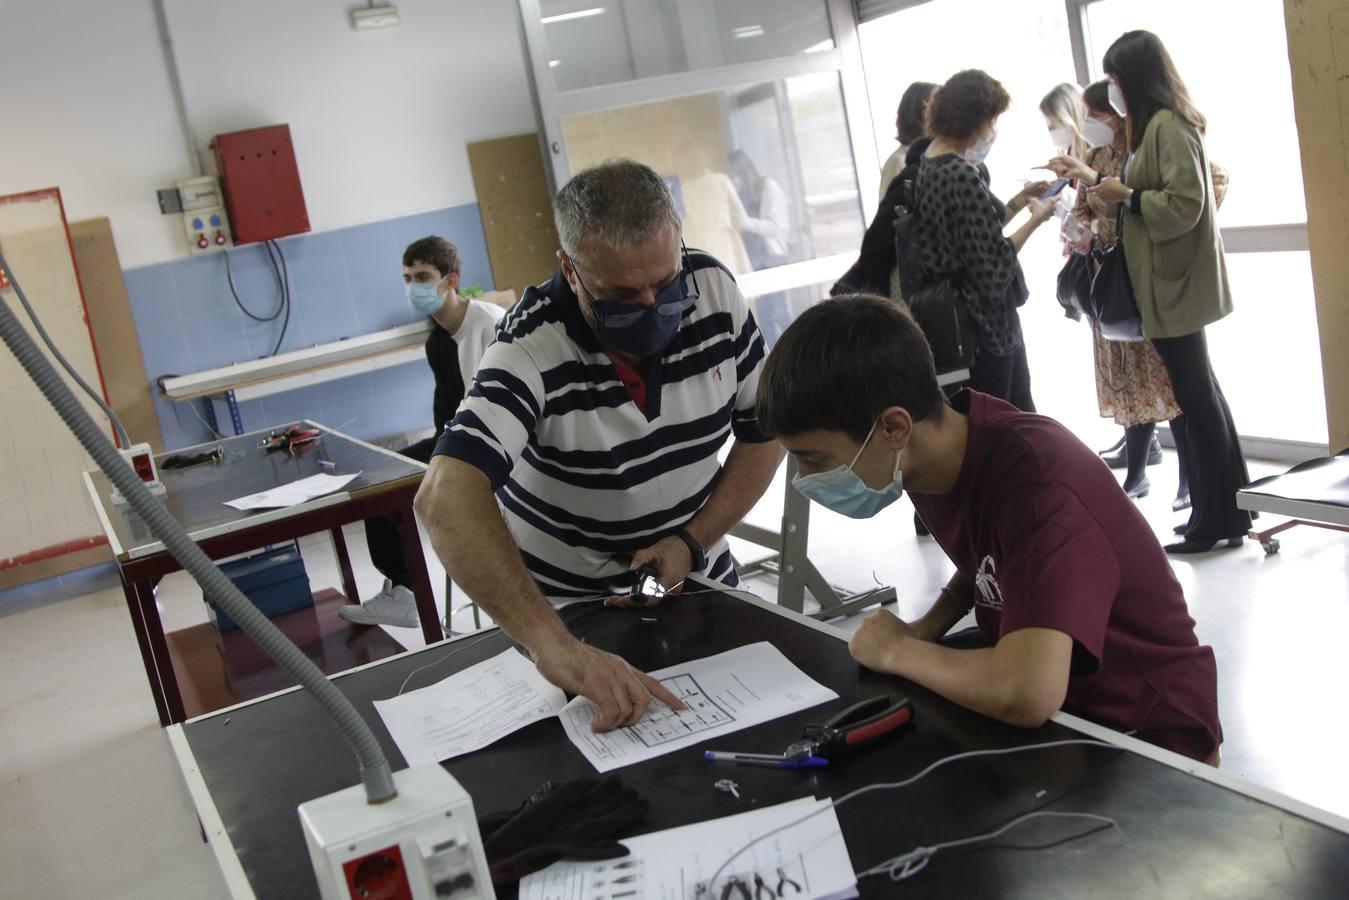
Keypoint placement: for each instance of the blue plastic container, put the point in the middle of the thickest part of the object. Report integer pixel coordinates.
(275, 580)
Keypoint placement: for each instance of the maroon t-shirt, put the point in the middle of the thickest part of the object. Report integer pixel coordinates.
(1040, 525)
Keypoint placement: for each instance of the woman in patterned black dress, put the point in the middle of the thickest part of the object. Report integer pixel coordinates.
(959, 228)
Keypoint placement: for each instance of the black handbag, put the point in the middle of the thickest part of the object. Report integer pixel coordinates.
(939, 307)
(1074, 286)
(1112, 294)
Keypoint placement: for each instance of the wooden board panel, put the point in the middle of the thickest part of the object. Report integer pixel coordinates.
(114, 331)
(41, 493)
(515, 201)
(1318, 52)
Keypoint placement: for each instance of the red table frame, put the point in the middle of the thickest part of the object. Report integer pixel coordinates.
(140, 575)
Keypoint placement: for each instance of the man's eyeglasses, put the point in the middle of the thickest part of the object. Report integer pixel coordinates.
(673, 298)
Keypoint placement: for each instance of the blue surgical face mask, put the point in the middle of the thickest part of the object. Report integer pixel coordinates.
(640, 329)
(423, 298)
(844, 492)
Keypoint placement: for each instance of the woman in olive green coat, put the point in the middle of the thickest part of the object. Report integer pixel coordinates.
(1175, 261)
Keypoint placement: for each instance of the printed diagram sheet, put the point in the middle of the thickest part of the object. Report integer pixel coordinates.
(724, 693)
(807, 861)
(470, 709)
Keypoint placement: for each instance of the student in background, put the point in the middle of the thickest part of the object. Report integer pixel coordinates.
(910, 126)
(1076, 605)
(461, 330)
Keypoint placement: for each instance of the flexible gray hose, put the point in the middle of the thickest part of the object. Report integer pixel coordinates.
(375, 772)
(75, 376)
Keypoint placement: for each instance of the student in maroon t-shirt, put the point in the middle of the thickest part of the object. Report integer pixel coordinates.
(1073, 593)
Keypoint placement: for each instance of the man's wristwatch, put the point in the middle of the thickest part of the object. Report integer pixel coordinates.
(695, 551)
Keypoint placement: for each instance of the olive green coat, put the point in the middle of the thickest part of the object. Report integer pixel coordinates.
(1173, 248)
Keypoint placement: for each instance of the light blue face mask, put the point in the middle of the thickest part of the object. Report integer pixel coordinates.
(423, 298)
(844, 492)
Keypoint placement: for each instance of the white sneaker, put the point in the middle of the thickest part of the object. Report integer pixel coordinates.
(394, 605)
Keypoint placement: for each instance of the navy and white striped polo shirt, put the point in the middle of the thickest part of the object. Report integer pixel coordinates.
(585, 478)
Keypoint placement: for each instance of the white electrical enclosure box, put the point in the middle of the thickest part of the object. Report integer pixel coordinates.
(424, 844)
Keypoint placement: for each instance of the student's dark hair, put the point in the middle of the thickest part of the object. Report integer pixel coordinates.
(841, 363)
(912, 113)
(965, 105)
(1150, 82)
(1097, 98)
(434, 251)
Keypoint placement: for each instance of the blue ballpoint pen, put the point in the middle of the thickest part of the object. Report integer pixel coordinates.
(770, 760)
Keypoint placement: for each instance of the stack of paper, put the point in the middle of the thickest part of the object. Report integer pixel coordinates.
(805, 861)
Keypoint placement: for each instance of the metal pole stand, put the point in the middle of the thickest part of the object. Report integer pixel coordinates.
(795, 572)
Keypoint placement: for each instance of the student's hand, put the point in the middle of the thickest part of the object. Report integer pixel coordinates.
(1111, 190)
(621, 692)
(672, 560)
(1065, 166)
(880, 640)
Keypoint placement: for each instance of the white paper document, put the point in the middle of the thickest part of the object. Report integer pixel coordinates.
(470, 709)
(724, 693)
(293, 494)
(807, 861)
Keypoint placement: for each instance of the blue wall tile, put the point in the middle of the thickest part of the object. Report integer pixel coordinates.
(343, 284)
(382, 303)
(327, 313)
(314, 260)
(372, 251)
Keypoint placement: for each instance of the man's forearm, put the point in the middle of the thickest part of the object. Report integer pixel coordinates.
(748, 472)
(470, 536)
(953, 604)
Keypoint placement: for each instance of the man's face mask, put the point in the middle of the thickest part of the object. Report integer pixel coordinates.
(639, 329)
(844, 492)
(423, 298)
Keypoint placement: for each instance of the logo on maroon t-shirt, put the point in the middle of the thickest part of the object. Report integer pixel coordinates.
(990, 594)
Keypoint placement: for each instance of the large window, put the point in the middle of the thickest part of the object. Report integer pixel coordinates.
(1235, 62)
(753, 110)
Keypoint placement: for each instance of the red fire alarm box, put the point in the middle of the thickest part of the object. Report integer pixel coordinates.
(261, 183)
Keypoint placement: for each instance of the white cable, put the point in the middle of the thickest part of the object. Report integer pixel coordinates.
(885, 786)
(464, 646)
(909, 864)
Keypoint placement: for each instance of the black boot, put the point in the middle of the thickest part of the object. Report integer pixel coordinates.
(1119, 459)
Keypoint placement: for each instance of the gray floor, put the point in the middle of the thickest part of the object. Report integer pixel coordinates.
(93, 805)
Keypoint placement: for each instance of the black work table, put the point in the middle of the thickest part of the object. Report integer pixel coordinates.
(1195, 833)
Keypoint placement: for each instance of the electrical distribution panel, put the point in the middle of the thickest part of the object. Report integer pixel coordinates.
(262, 183)
(204, 220)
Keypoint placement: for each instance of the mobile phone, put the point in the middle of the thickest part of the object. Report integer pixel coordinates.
(1055, 186)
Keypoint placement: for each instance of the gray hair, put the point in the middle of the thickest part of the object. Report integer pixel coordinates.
(619, 204)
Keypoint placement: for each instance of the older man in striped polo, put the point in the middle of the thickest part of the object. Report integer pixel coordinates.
(588, 443)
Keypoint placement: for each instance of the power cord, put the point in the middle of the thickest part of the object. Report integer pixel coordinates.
(277, 257)
(915, 859)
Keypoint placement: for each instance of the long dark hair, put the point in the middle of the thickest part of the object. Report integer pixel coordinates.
(1150, 82)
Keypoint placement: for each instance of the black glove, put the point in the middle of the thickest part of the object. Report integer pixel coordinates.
(575, 820)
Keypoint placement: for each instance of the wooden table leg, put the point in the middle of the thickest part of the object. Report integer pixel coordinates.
(159, 647)
(421, 579)
(344, 565)
(132, 590)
